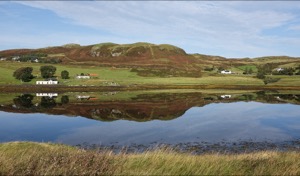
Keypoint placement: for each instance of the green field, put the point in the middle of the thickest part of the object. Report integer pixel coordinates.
(26, 158)
(123, 76)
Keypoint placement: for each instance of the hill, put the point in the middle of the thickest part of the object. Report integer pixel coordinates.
(144, 58)
(109, 54)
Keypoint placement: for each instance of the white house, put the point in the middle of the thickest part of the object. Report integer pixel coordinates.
(83, 97)
(83, 77)
(47, 95)
(226, 72)
(279, 69)
(3, 59)
(16, 58)
(35, 60)
(47, 82)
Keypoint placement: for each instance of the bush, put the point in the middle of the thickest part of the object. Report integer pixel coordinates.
(47, 71)
(208, 69)
(65, 74)
(268, 80)
(24, 74)
(261, 75)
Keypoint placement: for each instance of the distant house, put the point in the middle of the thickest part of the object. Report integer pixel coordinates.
(47, 95)
(48, 82)
(226, 72)
(16, 58)
(279, 69)
(3, 59)
(35, 60)
(83, 97)
(83, 77)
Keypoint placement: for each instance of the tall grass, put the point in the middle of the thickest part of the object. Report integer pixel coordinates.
(46, 159)
(21, 158)
(164, 162)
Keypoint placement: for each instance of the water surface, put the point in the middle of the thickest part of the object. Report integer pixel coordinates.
(185, 119)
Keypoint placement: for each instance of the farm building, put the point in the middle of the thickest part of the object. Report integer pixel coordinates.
(83, 77)
(226, 72)
(47, 82)
(279, 69)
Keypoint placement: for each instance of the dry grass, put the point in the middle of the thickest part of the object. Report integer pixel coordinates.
(23, 158)
(172, 163)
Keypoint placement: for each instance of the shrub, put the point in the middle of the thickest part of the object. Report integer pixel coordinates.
(65, 74)
(24, 74)
(268, 80)
(47, 71)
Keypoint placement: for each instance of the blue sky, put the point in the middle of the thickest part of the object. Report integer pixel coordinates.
(226, 28)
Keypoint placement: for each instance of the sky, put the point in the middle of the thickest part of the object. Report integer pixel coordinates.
(233, 29)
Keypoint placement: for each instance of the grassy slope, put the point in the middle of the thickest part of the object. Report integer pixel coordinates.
(49, 159)
(125, 77)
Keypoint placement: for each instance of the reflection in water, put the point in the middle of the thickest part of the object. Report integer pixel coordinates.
(143, 107)
(47, 95)
(64, 99)
(23, 101)
(173, 118)
(48, 102)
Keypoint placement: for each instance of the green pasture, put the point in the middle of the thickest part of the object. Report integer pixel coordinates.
(123, 76)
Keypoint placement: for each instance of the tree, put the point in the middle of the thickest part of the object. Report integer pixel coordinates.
(47, 71)
(24, 74)
(250, 71)
(65, 74)
(246, 72)
(261, 73)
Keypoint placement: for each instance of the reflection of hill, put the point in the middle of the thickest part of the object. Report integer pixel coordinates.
(144, 107)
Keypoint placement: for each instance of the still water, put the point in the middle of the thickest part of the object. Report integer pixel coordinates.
(145, 119)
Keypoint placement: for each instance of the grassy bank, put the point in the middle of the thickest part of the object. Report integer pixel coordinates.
(51, 159)
(61, 88)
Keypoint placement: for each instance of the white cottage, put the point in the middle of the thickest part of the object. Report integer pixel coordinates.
(47, 82)
(226, 72)
(83, 77)
(279, 69)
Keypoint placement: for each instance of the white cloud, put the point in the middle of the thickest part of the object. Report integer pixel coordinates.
(216, 26)
(294, 27)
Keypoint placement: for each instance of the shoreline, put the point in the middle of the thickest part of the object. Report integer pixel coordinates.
(83, 88)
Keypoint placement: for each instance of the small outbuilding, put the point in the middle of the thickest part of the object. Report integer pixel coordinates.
(226, 72)
(83, 77)
(279, 69)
